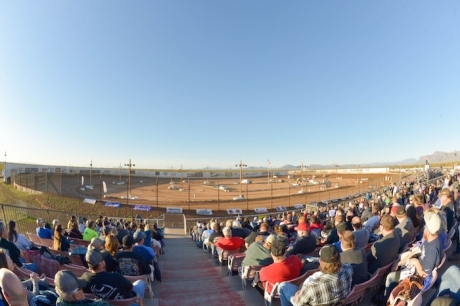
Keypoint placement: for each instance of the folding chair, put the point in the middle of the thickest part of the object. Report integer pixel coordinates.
(234, 262)
(77, 270)
(247, 273)
(145, 279)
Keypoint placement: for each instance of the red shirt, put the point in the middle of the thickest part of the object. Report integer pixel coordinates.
(282, 271)
(230, 244)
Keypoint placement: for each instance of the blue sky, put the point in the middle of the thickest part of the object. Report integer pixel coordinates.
(207, 83)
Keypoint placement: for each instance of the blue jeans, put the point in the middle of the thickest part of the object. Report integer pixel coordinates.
(29, 266)
(139, 288)
(287, 290)
(449, 284)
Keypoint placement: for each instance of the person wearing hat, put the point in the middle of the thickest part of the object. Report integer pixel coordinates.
(385, 250)
(305, 243)
(131, 263)
(258, 254)
(141, 249)
(282, 269)
(70, 290)
(107, 285)
(430, 253)
(447, 206)
(329, 286)
(405, 228)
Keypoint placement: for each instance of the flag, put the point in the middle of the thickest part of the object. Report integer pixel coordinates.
(268, 162)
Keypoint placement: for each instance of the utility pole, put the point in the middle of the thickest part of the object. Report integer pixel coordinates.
(241, 165)
(129, 165)
(157, 191)
(91, 173)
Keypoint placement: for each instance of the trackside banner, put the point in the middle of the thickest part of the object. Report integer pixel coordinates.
(113, 204)
(142, 207)
(89, 201)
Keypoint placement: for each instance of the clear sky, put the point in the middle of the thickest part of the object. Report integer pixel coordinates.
(207, 83)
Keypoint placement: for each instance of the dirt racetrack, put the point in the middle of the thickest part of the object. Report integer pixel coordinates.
(196, 194)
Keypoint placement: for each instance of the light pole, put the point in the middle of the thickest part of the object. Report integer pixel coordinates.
(4, 170)
(171, 174)
(91, 173)
(129, 180)
(241, 165)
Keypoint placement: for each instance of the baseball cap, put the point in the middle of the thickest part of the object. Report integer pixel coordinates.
(301, 227)
(138, 236)
(269, 240)
(394, 209)
(96, 243)
(432, 222)
(401, 210)
(127, 241)
(93, 257)
(68, 282)
(329, 254)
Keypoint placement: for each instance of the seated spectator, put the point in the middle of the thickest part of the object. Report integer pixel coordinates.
(355, 256)
(131, 263)
(141, 249)
(60, 241)
(385, 250)
(332, 235)
(316, 226)
(372, 223)
(282, 268)
(238, 231)
(106, 285)
(367, 213)
(405, 229)
(228, 242)
(74, 231)
(70, 290)
(90, 231)
(258, 253)
(341, 228)
(305, 243)
(329, 286)
(82, 224)
(18, 239)
(42, 232)
(13, 251)
(361, 234)
(257, 236)
(110, 252)
(430, 250)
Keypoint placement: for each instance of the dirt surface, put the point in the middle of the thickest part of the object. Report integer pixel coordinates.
(196, 194)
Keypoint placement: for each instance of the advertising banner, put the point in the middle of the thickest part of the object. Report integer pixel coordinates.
(89, 201)
(173, 210)
(234, 211)
(261, 210)
(204, 211)
(281, 208)
(298, 206)
(113, 204)
(142, 207)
